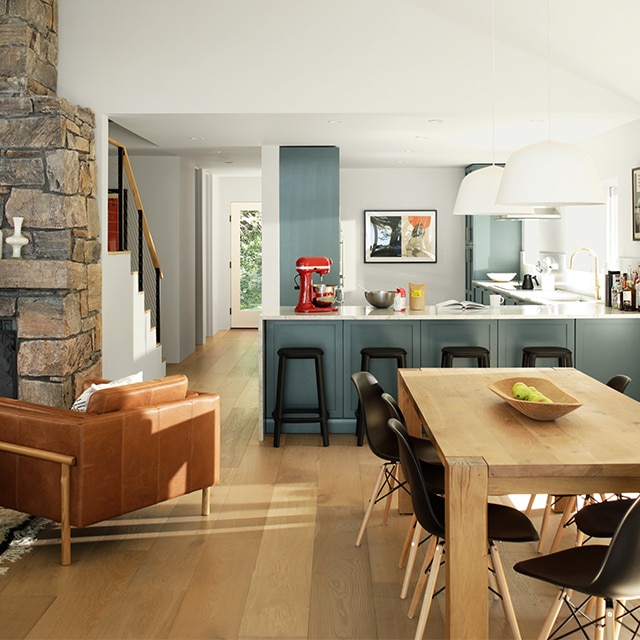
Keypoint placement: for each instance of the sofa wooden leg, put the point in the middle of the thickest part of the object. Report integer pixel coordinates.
(206, 501)
(65, 516)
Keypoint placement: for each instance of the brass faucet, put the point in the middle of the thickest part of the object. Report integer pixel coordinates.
(591, 252)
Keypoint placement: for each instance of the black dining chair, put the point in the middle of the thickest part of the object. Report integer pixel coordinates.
(618, 382)
(608, 572)
(375, 413)
(505, 524)
(433, 474)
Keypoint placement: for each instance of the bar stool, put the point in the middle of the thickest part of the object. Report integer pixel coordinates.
(479, 353)
(280, 413)
(529, 355)
(367, 355)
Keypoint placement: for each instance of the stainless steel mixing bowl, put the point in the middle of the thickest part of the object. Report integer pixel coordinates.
(380, 299)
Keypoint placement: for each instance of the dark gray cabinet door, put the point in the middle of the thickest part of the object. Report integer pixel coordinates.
(378, 333)
(514, 335)
(458, 333)
(300, 376)
(605, 348)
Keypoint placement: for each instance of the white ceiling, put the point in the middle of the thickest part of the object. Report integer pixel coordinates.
(578, 62)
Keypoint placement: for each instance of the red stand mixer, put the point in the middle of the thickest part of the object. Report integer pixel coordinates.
(315, 298)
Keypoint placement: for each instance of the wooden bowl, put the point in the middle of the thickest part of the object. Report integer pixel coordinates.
(562, 404)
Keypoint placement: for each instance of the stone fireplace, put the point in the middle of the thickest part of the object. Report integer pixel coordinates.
(52, 294)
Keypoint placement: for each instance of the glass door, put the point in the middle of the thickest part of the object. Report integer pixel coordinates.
(246, 264)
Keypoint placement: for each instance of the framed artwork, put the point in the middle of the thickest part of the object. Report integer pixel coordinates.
(635, 201)
(400, 236)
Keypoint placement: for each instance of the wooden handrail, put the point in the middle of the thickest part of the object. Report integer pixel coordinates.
(65, 462)
(138, 202)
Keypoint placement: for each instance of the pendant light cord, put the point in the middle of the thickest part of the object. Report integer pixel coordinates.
(493, 83)
(549, 69)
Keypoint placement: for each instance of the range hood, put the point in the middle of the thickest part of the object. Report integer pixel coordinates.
(539, 213)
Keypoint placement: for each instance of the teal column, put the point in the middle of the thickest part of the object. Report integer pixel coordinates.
(309, 212)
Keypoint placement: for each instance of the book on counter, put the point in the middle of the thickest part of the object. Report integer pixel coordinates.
(460, 304)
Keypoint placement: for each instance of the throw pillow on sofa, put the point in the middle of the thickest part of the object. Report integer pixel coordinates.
(83, 400)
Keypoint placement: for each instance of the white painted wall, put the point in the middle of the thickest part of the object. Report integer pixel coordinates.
(366, 189)
(167, 189)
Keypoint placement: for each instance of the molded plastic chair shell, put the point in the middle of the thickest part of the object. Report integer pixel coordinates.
(376, 413)
(619, 382)
(611, 572)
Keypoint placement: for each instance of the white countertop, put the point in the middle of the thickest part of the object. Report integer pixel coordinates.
(513, 312)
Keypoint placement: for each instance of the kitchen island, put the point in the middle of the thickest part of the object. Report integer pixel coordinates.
(604, 342)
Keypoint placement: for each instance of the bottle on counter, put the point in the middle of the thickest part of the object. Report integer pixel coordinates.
(628, 294)
(609, 276)
(616, 289)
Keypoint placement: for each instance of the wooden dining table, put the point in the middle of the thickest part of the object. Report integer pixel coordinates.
(490, 449)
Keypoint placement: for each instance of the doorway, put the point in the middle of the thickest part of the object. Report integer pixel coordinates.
(246, 264)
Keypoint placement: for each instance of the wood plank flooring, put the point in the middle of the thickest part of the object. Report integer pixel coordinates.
(275, 559)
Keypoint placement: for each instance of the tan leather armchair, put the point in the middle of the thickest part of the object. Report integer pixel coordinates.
(136, 445)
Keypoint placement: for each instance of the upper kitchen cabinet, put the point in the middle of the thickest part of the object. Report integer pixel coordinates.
(309, 212)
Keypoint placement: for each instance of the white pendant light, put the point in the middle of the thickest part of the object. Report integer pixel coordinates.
(477, 194)
(550, 173)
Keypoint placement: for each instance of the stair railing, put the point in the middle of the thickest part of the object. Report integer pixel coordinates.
(134, 236)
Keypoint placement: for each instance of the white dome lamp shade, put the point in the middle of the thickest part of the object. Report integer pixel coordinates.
(550, 174)
(477, 195)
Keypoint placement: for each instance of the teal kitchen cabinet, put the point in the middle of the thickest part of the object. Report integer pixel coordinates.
(378, 333)
(309, 212)
(300, 386)
(606, 348)
(514, 335)
(436, 334)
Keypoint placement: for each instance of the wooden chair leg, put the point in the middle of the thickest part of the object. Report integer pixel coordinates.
(415, 543)
(529, 509)
(601, 613)
(422, 577)
(609, 623)
(428, 593)
(407, 542)
(545, 522)
(552, 616)
(372, 502)
(617, 624)
(501, 579)
(569, 510)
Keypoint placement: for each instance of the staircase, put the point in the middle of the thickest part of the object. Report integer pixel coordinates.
(131, 283)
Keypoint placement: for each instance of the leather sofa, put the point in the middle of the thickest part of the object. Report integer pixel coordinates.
(136, 445)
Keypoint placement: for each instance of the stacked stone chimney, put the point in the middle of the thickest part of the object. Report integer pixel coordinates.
(47, 177)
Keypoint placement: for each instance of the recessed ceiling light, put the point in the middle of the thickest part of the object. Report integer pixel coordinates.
(196, 138)
(435, 121)
(334, 121)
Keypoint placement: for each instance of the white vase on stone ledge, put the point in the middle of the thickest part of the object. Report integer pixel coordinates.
(17, 240)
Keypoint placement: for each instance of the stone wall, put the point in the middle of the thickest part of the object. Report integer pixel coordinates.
(28, 47)
(47, 177)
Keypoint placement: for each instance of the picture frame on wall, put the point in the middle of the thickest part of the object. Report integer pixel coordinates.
(400, 235)
(635, 201)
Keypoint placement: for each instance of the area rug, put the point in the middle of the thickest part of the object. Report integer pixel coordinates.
(18, 532)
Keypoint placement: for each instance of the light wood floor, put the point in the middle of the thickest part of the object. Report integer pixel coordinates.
(276, 558)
